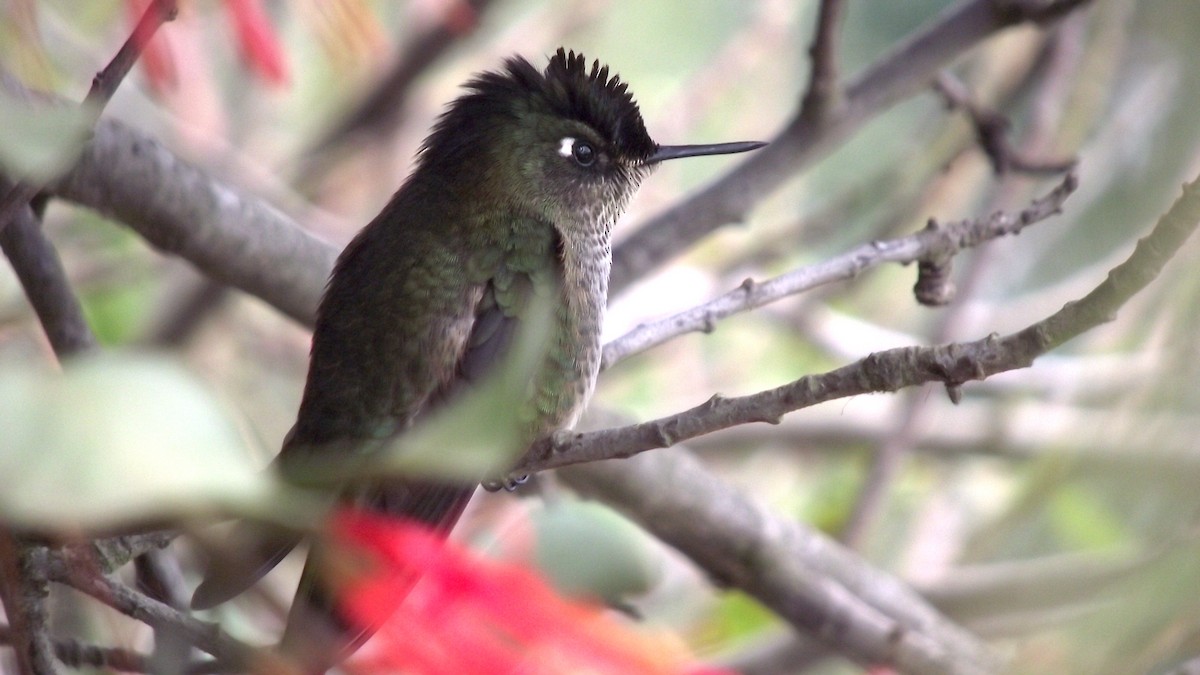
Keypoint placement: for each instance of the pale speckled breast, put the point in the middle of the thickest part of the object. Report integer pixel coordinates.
(573, 361)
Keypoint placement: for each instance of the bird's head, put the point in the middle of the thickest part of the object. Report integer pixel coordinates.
(567, 144)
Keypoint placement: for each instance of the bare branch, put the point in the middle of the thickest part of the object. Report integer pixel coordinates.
(822, 95)
(205, 635)
(894, 369)
(24, 588)
(936, 286)
(937, 242)
(230, 236)
(904, 72)
(991, 130)
(104, 85)
(802, 575)
(44, 280)
(110, 554)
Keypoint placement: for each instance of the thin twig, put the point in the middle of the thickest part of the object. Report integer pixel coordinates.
(822, 95)
(104, 85)
(187, 313)
(937, 241)
(885, 465)
(992, 131)
(207, 636)
(1038, 584)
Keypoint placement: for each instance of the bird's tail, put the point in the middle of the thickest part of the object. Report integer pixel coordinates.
(251, 550)
(319, 633)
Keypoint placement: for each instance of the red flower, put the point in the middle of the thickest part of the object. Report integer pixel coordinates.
(156, 56)
(258, 41)
(473, 615)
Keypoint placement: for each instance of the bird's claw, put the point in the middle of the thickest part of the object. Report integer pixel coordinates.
(507, 483)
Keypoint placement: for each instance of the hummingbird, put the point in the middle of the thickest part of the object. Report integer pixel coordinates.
(514, 195)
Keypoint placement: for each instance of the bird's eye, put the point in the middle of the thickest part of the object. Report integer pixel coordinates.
(583, 153)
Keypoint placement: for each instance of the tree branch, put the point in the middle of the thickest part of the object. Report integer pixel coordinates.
(231, 237)
(24, 587)
(936, 283)
(952, 364)
(937, 242)
(76, 654)
(1039, 585)
(822, 95)
(991, 130)
(104, 85)
(44, 281)
(207, 636)
(904, 72)
(803, 576)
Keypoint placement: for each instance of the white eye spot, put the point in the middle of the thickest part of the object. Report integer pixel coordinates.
(566, 146)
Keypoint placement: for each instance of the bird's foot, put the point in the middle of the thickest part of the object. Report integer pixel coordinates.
(507, 483)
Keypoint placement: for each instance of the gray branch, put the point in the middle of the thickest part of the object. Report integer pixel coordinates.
(806, 578)
(903, 72)
(207, 636)
(44, 281)
(232, 237)
(938, 241)
(952, 364)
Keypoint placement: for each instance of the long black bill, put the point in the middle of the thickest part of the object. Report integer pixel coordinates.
(666, 152)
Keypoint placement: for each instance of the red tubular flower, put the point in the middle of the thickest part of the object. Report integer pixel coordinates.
(156, 59)
(473, 615)
(259, 44)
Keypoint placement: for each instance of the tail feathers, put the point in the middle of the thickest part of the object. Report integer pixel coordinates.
(318, 634)
(253, 549)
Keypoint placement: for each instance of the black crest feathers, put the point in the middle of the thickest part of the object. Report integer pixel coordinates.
(567, 88)
(602, 102)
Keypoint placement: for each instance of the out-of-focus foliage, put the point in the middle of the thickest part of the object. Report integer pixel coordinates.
(115, 441)
(1083, 468)
(587, 550)
(39, 145)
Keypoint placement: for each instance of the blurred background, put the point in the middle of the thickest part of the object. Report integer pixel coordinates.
(1053, 511)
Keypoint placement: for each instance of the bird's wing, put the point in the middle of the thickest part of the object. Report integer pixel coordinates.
(317, 634)
(256, 548)
(376, 364)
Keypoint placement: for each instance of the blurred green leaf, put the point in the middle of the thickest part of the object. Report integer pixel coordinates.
(114, 441)
(587, 549)
(39, 143)
(116, 313)
(738, 616)
(1082, 519)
